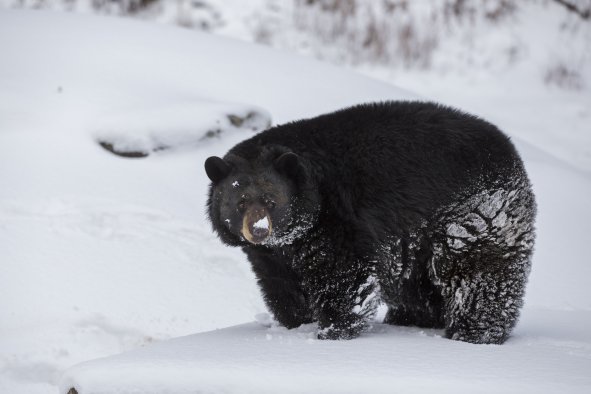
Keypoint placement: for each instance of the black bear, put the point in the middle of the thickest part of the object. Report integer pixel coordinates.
(417, 205)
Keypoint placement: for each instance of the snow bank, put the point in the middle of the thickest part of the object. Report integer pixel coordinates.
(144, 132)
(251, 358)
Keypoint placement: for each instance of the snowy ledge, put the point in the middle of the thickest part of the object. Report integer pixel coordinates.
(140, 133)
(253, 358)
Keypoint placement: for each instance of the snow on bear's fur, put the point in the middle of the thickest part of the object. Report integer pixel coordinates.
(414, 204)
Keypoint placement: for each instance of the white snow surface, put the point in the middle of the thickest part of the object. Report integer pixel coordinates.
(252, 358)
(103, 255)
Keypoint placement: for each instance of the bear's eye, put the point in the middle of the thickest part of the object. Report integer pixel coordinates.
(269, 203)
(242, 203)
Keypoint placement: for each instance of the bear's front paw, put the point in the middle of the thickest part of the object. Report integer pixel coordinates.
(333, 333)
(339, 332)
(490, 335)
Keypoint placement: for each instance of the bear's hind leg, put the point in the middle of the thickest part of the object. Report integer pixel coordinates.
(482, 259)
(484, 308)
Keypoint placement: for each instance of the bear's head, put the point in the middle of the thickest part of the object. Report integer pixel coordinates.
(269, 200)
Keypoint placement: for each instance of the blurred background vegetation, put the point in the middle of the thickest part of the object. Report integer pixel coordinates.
(442, 35)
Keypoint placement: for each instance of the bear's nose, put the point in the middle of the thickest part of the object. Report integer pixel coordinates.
(256, 225)
(260, 229)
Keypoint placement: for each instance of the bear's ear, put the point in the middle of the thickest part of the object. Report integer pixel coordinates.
(289, 164)
(216, 168)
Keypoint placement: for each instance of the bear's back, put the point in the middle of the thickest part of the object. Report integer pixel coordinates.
(412, 157)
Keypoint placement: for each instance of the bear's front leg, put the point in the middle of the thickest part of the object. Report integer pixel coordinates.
(343, 294)
(281, 287)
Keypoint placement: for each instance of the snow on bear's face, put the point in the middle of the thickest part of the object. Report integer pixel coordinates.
(258, 202)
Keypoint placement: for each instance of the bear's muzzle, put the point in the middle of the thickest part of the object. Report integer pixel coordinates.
(256, 225)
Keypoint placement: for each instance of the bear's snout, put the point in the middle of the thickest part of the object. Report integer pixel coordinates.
(256, 225)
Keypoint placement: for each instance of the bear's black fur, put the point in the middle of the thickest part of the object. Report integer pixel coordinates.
(414, 204)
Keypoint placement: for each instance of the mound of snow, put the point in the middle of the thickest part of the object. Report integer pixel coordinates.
(142, 132)
(252, 358)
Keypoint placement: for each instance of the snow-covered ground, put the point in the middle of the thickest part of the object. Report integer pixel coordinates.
(102, 254)
(252, 358)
